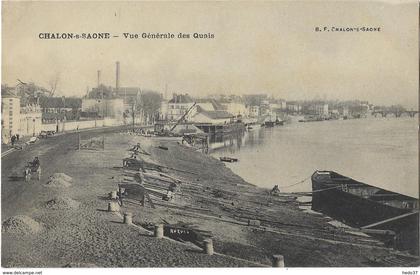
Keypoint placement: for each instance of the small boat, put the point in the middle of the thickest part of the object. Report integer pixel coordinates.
(279, 122)
(269, 123)
(163, 147)
(228, 159)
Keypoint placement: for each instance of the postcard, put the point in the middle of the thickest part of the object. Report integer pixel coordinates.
(209, 134)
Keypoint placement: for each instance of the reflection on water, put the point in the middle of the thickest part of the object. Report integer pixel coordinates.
(378, 151)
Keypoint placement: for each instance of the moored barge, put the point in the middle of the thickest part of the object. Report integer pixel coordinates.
(370, 208)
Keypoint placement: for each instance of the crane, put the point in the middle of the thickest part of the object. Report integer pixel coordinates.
(182, 117)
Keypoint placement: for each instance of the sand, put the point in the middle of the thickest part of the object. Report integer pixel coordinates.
(59, 180)
(61, 203)
(22, 225)
(211, 197)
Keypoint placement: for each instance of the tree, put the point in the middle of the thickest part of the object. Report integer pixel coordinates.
(149, 103)
(53, 83)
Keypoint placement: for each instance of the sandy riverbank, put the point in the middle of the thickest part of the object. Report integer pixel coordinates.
(211, 197)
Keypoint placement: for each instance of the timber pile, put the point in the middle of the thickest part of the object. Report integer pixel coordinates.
(147, 179)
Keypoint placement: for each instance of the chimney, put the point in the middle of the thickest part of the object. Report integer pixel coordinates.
(117, 84)
(99, 78)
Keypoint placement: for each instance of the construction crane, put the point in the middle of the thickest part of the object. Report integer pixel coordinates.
(183, 116)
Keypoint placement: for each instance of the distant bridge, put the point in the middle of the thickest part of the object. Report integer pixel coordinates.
(396, 113)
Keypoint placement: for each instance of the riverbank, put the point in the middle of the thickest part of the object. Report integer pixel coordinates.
(380, 152)
(212, 197)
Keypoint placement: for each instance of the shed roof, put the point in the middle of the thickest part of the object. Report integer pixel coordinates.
(214, 114)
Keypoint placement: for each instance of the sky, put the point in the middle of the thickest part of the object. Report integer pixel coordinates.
(269, 47)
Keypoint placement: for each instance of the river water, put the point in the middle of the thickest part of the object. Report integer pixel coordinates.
(378, 151)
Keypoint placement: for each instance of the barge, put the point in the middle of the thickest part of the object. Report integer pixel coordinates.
(376, 211)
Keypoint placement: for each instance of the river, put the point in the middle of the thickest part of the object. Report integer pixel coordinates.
(378, 151)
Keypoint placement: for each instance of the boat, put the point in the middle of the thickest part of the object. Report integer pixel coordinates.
(372, 209)
(279, 122)
(228, 159)
(269, 123)
(311, 119)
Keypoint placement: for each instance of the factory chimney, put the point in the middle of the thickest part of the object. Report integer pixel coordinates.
(99, 78)
(117, 84)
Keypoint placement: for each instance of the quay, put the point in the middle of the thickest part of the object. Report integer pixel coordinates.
(255, 225)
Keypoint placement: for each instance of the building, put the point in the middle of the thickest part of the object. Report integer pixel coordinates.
(10, 115)
(110, 108)
(321, 109)
(130, 95)
(343, 110)
(316, 109)
(163, 110)
(293, 107)
(265, 109)
(207, 104)
(236, 108)
(202, 116)
(254, 111)
(178, 106)
(60, 108)
(30, 123)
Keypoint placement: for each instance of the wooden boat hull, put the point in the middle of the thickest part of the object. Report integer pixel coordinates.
(269, 124)
(228, 159)
(361, 205)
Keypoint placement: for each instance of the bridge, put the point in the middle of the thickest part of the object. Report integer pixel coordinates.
(396, 113)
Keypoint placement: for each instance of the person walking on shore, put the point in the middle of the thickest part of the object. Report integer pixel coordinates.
(13, 139)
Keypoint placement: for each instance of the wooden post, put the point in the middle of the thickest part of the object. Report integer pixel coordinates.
(113, 195)
(278, 261)
(113, 206)
(159, 231)
(128, 218)
(208, 246)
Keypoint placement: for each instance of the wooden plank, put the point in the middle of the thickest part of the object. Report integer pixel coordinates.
(378, 231)
(170, 177)
(390, 220)
(150, 186)
(155, 192)
(157, 178)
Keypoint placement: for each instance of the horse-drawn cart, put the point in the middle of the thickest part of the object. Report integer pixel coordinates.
(27, 173)
(32, 171)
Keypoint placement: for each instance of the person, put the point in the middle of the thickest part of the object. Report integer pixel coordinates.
(36, 163)
(13, 139)
(17, 137)
(275, 190)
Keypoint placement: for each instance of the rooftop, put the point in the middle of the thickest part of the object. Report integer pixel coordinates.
(215, 114)
(181, 99)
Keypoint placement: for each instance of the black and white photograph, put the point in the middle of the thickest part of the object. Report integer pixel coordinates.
(207, 134)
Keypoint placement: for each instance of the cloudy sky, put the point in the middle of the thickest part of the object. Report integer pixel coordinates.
(258, 47)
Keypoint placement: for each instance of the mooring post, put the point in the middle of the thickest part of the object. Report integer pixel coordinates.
(278, 261)
(113, 206)
(113, 195)
(208, 246)
(120, 191)
(128, 218)
(159, 231)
